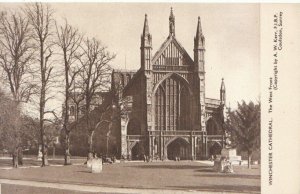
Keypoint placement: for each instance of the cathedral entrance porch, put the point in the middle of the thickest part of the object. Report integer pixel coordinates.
(167, 145)
(178, 149)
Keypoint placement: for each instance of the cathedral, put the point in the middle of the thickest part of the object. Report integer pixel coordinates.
(165, 113)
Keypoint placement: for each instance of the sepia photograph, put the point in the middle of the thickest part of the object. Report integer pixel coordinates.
(130, 98)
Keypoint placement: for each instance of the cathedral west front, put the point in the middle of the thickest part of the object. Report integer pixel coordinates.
(164, 111)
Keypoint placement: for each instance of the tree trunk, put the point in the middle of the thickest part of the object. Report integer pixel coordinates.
(45, 156)
(43, 146)
(67, 149)
(249, 159)
(20, 156)
(53, 152)
(44, 150)
(42, 102)
(66, 120)
(15, 158)
(67, 132)
(91, 150)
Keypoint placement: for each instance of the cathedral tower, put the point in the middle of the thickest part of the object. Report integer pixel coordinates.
(146, 67)
(146, 47)
(199, 49)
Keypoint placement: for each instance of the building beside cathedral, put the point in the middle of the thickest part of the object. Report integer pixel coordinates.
(164, 110)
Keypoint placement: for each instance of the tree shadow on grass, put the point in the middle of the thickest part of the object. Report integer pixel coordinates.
(222, 188)
(209, 172)
(221, 175)
(205, 169)
(31, 162)
(166, 167)
(6, 163)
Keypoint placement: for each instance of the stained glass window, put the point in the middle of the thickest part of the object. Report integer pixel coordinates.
(172, 106)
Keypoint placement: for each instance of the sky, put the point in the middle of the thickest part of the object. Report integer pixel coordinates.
(232, 34)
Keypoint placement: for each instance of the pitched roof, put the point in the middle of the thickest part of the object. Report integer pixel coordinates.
(165, 44)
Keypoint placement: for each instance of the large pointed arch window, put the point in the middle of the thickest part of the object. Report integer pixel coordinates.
(172, 105)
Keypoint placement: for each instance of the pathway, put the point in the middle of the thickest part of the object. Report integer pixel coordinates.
(94, 189)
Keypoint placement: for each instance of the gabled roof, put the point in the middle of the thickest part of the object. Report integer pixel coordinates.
(165, 44)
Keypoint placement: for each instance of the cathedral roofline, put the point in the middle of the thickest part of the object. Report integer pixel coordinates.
(165, 45)
(125, 70)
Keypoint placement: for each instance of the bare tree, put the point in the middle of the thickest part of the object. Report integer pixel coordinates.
(16, 55)
(68, 41)
(40, 17)
(94, 76)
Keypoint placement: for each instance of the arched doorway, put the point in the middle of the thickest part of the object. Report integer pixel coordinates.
(135, 152)
(178, 148)
(215, 149)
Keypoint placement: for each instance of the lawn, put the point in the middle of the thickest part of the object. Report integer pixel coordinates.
(183, 175)
(5, 162)
(14, 189)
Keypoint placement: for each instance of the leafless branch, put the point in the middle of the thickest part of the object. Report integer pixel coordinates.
(17, 54)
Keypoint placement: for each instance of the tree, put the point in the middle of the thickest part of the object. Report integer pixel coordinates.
(68, 41)
(10, 133)
(94, 77)
(40, 17)
(244, 126)
(16, 55)
(16, 130)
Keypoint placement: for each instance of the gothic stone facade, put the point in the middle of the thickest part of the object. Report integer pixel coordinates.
(164, 110)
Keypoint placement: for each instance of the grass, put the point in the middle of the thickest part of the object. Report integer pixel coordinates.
(34, 162)
(11, 189)
(183, 175)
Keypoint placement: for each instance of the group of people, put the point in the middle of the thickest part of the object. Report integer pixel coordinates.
(105, 159)
(146, 158)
